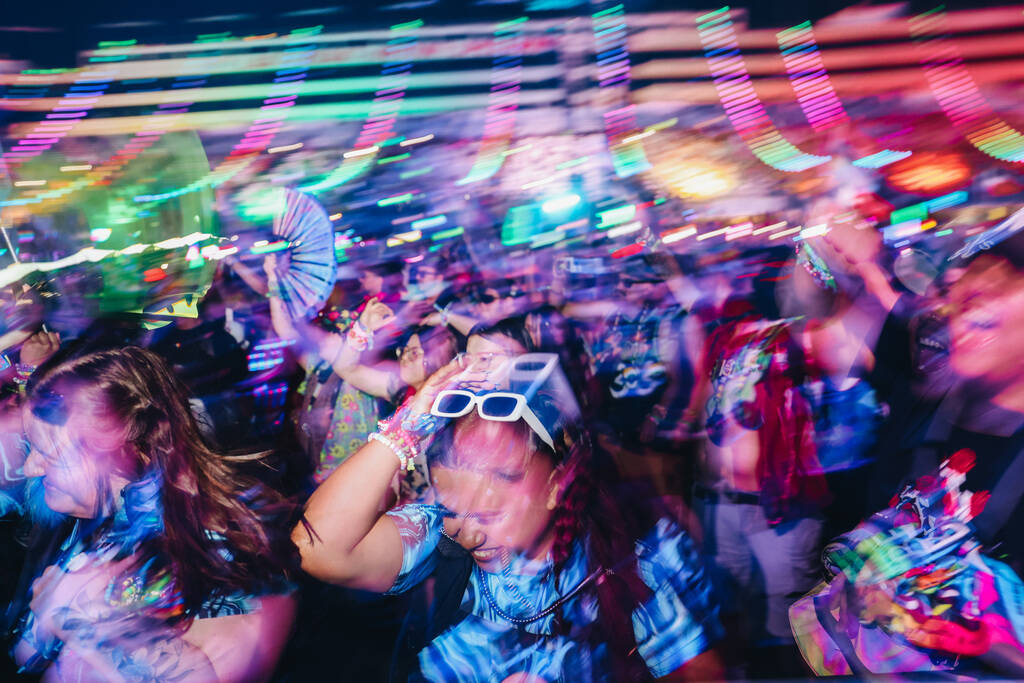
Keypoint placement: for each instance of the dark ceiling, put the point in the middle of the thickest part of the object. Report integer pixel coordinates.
(50, 34)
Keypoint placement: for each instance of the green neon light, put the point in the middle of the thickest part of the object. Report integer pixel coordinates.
(408, 25)
(605, 12)
(117, 43)
(397, 199)
(391, 160)
(619, 214)
(512, 22)
(270, 248)
(415, 172)
(447, 234)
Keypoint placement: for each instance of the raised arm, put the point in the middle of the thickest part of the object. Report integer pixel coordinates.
(347, 360)
(345, 537)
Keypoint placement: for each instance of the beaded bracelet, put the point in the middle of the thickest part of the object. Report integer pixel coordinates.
(276, 293)
(359, 337)
(405, 460)
(23, 372)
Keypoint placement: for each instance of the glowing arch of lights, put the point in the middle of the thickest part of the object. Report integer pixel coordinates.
(957, 93)
(611, 48)
(741, 102)
(814, 92)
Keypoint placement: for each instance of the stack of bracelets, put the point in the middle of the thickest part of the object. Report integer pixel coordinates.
(359, 338)
(404, 434)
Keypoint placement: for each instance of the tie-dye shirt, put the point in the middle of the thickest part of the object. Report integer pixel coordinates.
(678, 622)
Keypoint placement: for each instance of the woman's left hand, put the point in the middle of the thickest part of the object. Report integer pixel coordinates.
(38, 348)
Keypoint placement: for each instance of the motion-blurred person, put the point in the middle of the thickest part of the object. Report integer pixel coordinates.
(330, 413)
(761, 489)
(175, 568)
(537, 573)
(634, 350)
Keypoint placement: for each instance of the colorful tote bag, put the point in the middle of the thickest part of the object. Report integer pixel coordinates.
(911, 589)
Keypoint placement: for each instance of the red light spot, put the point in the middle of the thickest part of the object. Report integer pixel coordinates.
(632, 249)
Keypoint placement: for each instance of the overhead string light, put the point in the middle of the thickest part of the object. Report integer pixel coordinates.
(741, 102)
(957, 92)
(814, 92)
(293, 68)
(502, 102)
(611, 47)
(74, 105)
(163, 117)
(384, 110)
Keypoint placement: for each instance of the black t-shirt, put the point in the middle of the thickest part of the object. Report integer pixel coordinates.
(993, 455)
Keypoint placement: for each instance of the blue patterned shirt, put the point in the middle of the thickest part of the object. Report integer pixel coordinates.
(678, 622)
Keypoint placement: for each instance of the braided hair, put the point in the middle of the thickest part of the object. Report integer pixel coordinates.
(586, 511)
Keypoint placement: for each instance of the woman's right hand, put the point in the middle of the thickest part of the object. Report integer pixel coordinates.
(447, 377)
(376, 315)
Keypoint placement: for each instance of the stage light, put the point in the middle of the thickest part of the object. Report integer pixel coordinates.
(560, 204)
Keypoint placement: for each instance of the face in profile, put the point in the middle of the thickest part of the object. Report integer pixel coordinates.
(987, 322)
(498, 491)
(371, 283)
(79, 463)
(411, 366)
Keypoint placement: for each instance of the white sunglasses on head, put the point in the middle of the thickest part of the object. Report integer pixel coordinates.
(498, 406)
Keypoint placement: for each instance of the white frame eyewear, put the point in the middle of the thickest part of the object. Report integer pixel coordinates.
(521, 410)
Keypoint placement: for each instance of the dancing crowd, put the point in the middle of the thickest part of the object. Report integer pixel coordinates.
(664, 466)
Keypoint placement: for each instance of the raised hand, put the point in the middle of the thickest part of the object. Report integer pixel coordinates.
(376, 315)
(38, 348)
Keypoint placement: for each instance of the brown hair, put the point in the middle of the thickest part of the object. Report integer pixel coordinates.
(214, 539)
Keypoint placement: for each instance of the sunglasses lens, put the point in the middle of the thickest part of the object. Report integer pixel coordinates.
(453, 404)
(499, 406)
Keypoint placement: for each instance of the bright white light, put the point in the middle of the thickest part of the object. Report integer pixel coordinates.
(361, 152)
(626, 229)
(559, 204)
(679, 234)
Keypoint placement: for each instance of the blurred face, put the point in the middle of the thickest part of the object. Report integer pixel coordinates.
(488, 354)
(638, 291)
(371, 282)
(75, 478)
(427, 274)
(498, 490)
(491, 305)
(412, 362)
(987, 322)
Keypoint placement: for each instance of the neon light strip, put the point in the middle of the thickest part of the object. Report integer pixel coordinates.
(957, 93)
(810, 81)
(161, 117)
(814, 90)
(741, 102)
(74, 106)
(613, 72)
(380, 121)
(261, 133)
(506, 82)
